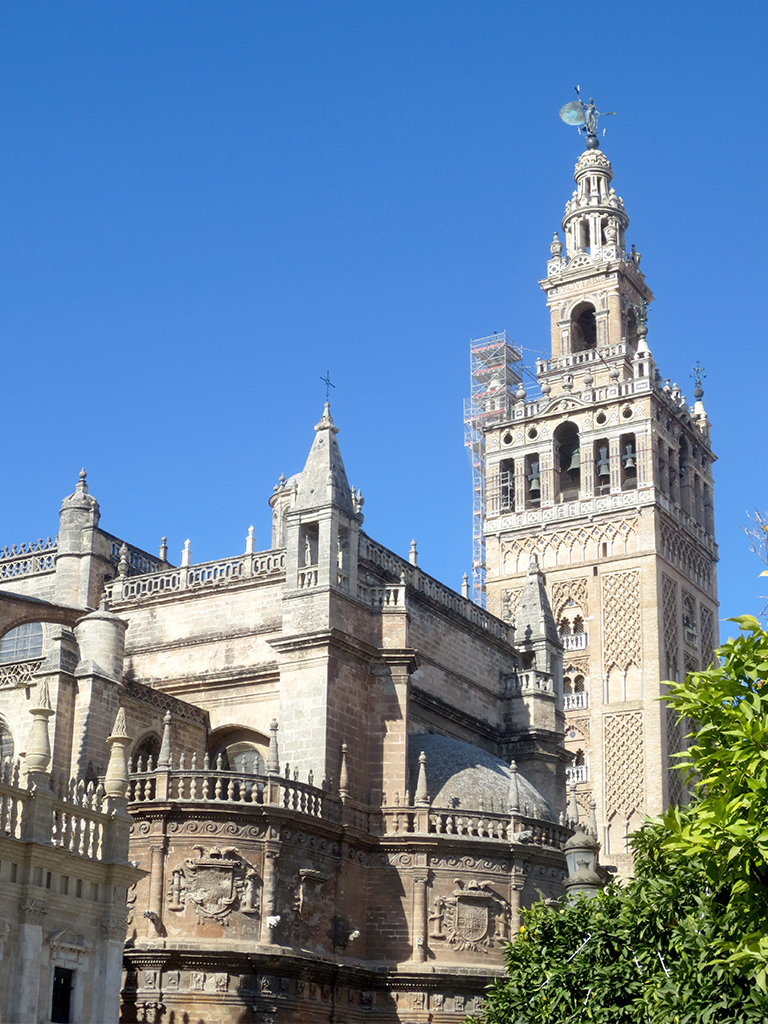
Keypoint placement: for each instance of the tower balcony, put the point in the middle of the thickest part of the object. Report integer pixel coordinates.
(573, 641)
(575, 701)
(577, 773)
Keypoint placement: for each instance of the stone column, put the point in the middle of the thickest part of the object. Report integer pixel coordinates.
(419, 953)
(587, 489)
(27, 974)
(614, 455)
(156, 885)
(268, 902)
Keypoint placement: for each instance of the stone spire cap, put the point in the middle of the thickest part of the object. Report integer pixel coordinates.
(534, 618)
(80, 498)
(323, 480)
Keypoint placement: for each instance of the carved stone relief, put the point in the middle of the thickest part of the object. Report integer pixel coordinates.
(473, 917)
(303, 921)
(215, 884)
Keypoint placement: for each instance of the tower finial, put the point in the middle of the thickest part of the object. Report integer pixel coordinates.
(584, 116)
(698, 375)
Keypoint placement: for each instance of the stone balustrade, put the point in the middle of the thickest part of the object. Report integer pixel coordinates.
(214, 784)
(78, 815)
(431, 588)
(458, 823)
(189, 786)
(30, 559)
(205, 574)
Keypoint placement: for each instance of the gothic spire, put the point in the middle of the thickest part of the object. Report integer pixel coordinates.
(324, 480)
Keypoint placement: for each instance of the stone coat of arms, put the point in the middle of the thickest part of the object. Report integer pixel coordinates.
(473, 917)
(215, 884)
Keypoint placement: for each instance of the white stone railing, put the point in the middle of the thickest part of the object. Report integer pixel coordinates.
(307, 577)
(576, 773)
(467, 824)
(432, 589)
(578, 359)
(382, 597)
(19, 673)
(12, 800)
(208, 784)
(575, 701)
(77, 822)
(191, 577)
(573, 641)
(29, 559)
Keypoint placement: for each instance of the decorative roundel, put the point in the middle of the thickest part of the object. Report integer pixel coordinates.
(533, 433)
(601, 418)
(507, 438)
(627, 412)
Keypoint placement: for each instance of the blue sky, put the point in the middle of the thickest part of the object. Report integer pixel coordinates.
(204, 207)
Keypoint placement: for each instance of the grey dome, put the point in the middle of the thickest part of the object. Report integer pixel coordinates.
(460, 774)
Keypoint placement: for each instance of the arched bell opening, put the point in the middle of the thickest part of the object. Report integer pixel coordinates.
(583, 327)
(532, 481)
(632, 331)
(683, 468)
(602, 466)
(628, 446)
(567, 461)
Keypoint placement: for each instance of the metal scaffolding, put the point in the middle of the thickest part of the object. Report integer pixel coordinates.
(494, 381)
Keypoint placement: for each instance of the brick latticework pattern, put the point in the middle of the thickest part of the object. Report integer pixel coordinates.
(674, 745)
(624, 764)
(707, 634)
(621, 620)
(669, 618)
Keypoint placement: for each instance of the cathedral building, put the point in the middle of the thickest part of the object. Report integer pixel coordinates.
(604, 475)
(346, 779)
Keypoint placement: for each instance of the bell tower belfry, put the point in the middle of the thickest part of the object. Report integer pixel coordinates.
(605, 477)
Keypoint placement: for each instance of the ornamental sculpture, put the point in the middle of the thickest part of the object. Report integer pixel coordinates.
(473, 917)
(215, 884)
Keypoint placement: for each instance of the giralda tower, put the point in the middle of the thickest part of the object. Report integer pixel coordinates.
(607, 479)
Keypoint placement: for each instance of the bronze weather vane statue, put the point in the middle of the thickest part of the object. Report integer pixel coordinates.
(584, 116)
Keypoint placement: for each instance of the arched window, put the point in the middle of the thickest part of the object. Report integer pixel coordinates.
(148, 746)
(583, 327)
(241, 750)
(23, 643)
(578, 684)
(7, 748)
(566, 685)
